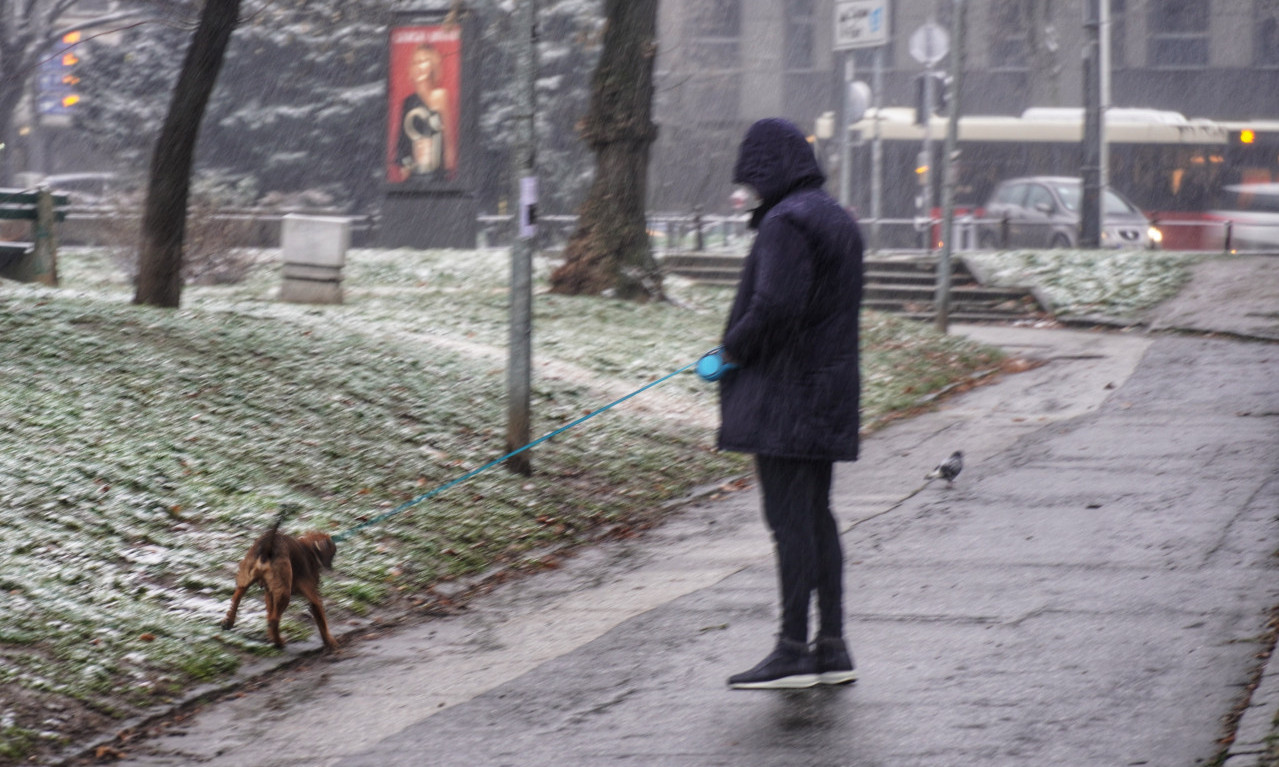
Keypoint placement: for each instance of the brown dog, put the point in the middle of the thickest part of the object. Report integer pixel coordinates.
(285, 566)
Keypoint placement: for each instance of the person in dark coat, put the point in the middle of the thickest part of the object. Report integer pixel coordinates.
(793, 399)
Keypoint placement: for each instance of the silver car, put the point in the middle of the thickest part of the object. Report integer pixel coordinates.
(1043, 212)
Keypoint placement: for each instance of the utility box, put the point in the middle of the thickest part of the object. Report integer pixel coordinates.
(314, 253)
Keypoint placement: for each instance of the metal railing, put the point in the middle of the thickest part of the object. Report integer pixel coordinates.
(671, 232)
(668, 232)
(972, 233)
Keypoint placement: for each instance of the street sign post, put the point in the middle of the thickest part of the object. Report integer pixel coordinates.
(928, 45)
(860, 24)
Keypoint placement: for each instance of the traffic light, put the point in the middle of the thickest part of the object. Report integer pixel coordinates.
(58, 80)
(941, 95)
(1245, 136)
(70, 79)
(922, 168)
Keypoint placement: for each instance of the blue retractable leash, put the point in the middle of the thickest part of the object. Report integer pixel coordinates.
(711, 367)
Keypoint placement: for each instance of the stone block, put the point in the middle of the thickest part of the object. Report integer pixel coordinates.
(313, 253)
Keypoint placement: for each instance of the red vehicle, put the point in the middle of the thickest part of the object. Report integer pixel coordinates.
(1173, 168)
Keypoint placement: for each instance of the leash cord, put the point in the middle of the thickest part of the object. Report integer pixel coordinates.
(342, 536)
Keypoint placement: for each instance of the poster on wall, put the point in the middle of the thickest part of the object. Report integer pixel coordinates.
(424, 104)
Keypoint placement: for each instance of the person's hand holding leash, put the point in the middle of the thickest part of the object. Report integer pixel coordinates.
(714, 364)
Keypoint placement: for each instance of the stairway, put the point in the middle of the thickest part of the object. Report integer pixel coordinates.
(706, 268)
(899, 284)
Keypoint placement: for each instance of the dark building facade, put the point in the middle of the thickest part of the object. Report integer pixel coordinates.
(724, 63)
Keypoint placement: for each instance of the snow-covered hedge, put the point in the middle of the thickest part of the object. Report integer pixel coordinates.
(1090, 282)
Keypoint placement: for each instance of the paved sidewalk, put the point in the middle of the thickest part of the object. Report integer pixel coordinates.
(1237, 295)
(1091, 591)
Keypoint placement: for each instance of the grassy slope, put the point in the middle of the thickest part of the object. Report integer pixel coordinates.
(141, 451)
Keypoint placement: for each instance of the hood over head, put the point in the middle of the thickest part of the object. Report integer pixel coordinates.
(776, 159)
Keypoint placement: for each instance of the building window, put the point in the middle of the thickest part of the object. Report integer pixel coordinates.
(1178, 34)
(1118, 34)
(1267, 26)
(1010, 22)
(716, 27)
(714, 56)
(800, 19)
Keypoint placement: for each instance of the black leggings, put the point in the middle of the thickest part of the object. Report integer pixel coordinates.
(809, 557)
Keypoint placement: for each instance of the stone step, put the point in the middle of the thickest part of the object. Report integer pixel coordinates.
(970, 317)
(921, 278)
(1006, 309)
(901, 285)
(676, 261)
(971, 291)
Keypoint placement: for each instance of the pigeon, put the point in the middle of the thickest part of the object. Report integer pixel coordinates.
(948, 469)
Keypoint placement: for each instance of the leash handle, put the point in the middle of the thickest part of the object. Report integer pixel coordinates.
(713, 366)
(344, 535)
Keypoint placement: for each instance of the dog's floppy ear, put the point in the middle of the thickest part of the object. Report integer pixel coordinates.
(325, 549)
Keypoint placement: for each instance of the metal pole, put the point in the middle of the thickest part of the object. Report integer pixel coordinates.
(845, 145)
(1103, 91)
(1090, 202)
(520, 362)
(930, 98)
(957, 31)
(877, 155)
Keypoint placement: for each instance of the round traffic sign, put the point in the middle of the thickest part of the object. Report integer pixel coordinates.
(929, 44)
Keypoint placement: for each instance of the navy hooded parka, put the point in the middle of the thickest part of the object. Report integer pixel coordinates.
(793, 327)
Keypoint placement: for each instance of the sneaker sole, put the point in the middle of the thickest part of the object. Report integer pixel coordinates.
(793, 682)
(837, 677)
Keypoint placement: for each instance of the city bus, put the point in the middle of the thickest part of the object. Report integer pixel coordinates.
(1174, 168)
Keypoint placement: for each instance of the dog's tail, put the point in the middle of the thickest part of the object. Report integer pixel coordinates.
(267, 548)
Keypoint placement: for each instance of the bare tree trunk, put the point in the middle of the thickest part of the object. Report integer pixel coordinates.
(11, 90)
(609, 249)
(164, 217)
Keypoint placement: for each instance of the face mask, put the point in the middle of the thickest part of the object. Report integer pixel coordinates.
(745, 198)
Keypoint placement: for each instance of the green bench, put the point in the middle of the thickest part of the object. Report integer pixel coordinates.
(37, 260)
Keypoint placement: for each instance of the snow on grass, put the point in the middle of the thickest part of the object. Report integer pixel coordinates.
(142, 451)
(1092, 282)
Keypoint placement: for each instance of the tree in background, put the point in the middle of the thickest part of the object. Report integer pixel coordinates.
(299, 106)
(317, 122)
(30, 33)
(164, 214)
(609, 251)
(568, 49)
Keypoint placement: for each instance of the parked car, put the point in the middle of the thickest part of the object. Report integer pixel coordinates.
(1043, 212)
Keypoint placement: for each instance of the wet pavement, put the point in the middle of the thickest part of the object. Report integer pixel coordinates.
(1238, 296)
(1095, 589)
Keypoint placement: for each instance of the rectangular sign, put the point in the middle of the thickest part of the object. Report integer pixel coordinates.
(860, 24)
(528, 207)
(424, 104)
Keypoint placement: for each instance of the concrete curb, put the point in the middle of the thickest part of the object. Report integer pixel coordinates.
(1258, 727)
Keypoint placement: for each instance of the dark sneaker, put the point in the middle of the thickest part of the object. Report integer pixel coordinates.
(834, 662)
(789, 667)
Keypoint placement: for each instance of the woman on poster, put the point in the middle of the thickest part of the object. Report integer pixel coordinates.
(425, 150)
